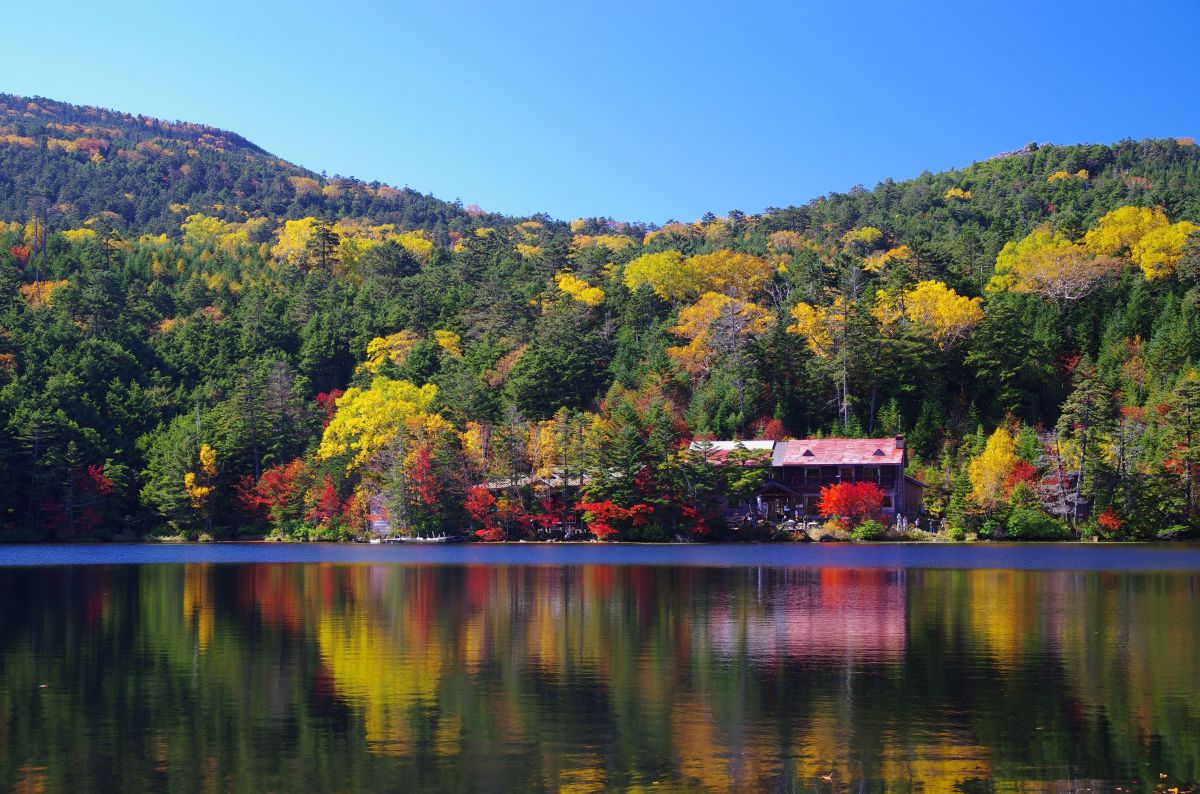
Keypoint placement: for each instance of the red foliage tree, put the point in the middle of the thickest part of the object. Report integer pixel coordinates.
(426, 484)
(1109, 519)
(851, 502)
(327, 400)
(20, 253)
(327, 506)
(480, 505)
(602, 517)
(278, 488)
(1023, 471)
(93, 480)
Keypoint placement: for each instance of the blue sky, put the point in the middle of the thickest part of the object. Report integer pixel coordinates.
(639, 111)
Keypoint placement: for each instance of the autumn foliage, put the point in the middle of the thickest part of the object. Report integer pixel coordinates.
(851, 503)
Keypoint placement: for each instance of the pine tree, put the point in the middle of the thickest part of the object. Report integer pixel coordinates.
(1085, 414)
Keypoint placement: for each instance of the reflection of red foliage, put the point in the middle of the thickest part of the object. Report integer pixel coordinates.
(852, 502)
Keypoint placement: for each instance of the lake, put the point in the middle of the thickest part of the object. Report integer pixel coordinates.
(260, 667)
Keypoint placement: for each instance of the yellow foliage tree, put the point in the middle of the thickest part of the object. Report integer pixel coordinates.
(1048, 264)
(1159, 251)
(957, 194)
(990, 470)
(394, 347)
(579, 289)
(76, 236)
(941, 313)
(613, 242)
(204, 231)
(878, 262)
(1060, 176)
(1118, 231)
(449, 341)
(666, 273)
(716, 324)
(1151, 241)
(294, 239)
(733, 273)
(41, 293)
(863, 239)
(821, 326)
(199, 488)
(368, 420)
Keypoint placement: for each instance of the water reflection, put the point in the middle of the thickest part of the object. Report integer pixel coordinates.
(478, 677)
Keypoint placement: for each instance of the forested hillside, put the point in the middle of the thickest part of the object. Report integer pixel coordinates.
(197, 337)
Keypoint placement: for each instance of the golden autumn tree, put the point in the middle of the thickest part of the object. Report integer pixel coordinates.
(989, 471)
(1145, 235)
(294, 240)
(672, 277)
(716, 325)
(1048, 264)
(666, 273)
(449, 342)
(941, 314)
(861, 240)
(826, 332)
(367, 420)
(393, 347)
(579, 289)
(1159, 251)
(733, 273)
(199, 486)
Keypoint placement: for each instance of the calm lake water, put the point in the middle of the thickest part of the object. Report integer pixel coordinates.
(255, 667)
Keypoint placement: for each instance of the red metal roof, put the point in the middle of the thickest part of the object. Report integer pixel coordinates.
(839, 452)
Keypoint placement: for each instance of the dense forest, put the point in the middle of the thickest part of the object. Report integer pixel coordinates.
(200, 339)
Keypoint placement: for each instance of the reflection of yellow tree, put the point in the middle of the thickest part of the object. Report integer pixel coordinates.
(197, 603)
(387, 678)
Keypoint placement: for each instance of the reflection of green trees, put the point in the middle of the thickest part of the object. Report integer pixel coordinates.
(464, 678)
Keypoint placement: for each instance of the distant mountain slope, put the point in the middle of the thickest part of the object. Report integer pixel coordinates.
(1007, 195)
(149, 173)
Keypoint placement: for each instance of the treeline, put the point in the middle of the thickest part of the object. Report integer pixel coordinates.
(75, 164)
(1029, 323)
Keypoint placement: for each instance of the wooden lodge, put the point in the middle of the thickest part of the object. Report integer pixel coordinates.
(800, 468)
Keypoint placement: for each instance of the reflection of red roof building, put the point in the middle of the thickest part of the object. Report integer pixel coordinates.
(833, 613)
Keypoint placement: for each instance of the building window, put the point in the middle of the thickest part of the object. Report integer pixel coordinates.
(887, 502)
(847, 474)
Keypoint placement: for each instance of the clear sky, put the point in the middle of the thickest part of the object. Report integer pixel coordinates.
(635, 110)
